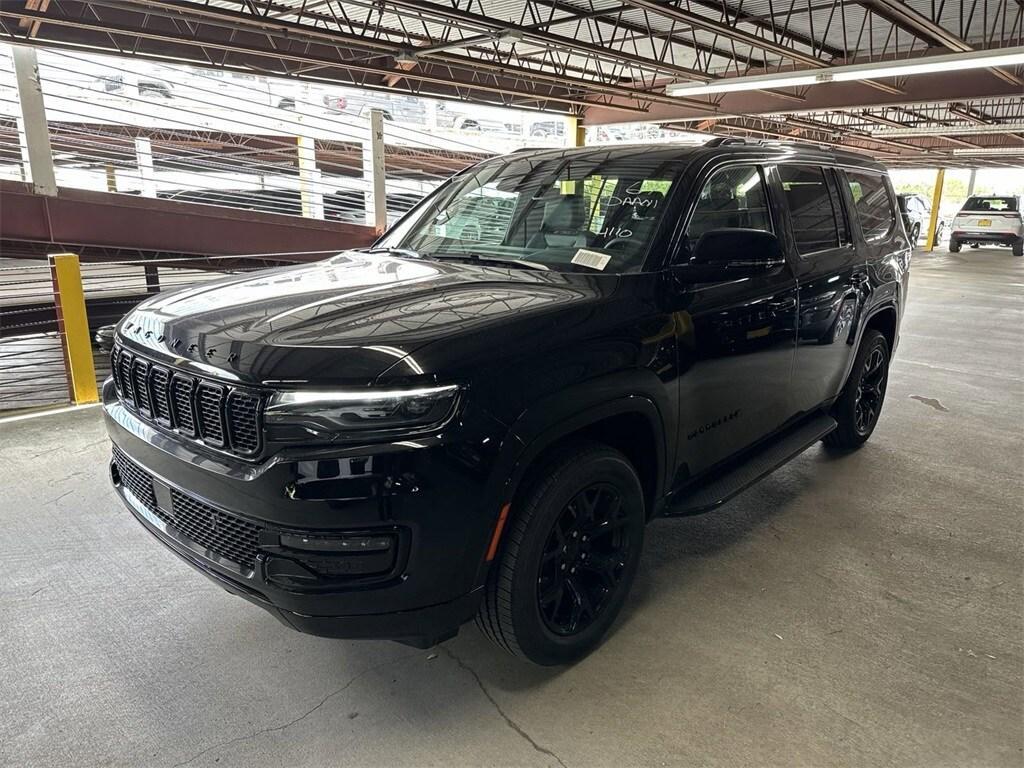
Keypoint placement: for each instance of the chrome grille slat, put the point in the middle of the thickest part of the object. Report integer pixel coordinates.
(159, 382)
(222, 416)
(210, 407)
(140, 385)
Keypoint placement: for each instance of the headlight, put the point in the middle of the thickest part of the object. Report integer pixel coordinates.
(361, 411)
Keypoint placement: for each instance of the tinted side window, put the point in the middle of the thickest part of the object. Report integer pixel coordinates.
(732, 197)
(810, 208)
(871, 199)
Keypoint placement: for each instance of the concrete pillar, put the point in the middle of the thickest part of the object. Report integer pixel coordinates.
(33, 116)
(26, 171)
(374, 173)
(971, 180)
(310, 188)
(144, 162)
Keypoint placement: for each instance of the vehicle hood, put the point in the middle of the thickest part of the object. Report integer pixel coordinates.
(346, 319)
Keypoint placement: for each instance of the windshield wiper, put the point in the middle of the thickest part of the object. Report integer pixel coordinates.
(409, 253)
(476, 258)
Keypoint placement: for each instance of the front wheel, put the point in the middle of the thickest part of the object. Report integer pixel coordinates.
(860, 403)
(569, 558)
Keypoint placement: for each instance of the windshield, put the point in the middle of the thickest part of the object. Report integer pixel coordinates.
(994, 204)
(569, 212)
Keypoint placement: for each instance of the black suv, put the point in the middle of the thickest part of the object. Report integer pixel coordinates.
(477, 416)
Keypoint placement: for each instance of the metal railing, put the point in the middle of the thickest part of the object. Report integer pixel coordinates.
(50, 312)
(235, 140)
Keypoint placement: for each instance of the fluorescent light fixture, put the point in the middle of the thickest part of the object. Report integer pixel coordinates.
(1000, 57)
(990, 151)
(756, 83)
(948, 130)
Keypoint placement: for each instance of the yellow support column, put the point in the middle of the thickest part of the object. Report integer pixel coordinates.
(933, 221)
(73, 323)
(575, 135)
(577, 132)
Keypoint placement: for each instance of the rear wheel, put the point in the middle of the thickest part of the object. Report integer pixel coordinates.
(860, 403)
(954, 245)
(1018, 247)
(569, 558)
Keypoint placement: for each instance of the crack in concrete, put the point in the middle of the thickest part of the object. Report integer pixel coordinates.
(54, 501)
(508, 720)
(300, 718)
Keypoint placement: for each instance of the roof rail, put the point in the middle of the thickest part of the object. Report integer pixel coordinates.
(719, 141)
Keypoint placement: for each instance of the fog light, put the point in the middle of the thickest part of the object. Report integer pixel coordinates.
(340, 544)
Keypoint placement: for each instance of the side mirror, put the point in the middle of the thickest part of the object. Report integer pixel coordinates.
(735, 250)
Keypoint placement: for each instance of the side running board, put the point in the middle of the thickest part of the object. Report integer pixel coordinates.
(720, 488)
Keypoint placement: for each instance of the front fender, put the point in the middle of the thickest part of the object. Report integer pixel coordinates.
(553, 418)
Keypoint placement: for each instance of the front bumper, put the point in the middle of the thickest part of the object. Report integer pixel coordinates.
(431, 503)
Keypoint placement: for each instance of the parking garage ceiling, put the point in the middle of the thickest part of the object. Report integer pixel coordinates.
(608, 60)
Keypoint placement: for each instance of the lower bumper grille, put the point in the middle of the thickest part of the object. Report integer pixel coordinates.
(227, 535)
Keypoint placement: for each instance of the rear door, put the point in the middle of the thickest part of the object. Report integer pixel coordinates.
(831, 277)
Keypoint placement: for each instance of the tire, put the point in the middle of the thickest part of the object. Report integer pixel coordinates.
(530, 600)
(1018, 247)
(954, 245)
(975, 245)
(915, 235)
(857, 416)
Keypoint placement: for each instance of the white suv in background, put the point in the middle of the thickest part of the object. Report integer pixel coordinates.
(989, 220)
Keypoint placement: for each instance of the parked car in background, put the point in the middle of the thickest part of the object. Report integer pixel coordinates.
(478, 415)
(404, 109)
(546, 129)
(916, 213)
(104, 337)
(474, 124)
(144, 85)
(989, 220)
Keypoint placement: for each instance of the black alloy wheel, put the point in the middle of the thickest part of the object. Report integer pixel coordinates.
(870, 391)
(584, 559)
(858, 406)
(568, 557)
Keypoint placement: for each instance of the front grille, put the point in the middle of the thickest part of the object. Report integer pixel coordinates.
(230, 537)
(136, 480)
(227, 535)
(224, 417)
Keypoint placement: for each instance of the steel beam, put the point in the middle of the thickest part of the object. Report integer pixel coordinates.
(905, 17)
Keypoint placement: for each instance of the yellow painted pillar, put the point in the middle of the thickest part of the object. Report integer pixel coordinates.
(933, 221)
(73, 323)
(575, 135)
(577, 132)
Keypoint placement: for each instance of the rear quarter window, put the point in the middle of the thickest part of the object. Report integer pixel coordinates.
(872, 203)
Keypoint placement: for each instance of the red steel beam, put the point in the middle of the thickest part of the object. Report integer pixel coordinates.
(124, 221)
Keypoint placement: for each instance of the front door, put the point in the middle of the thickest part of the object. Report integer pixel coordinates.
(737, 337)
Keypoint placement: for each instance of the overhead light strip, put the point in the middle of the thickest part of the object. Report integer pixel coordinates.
(949, 130)
(1002, 57)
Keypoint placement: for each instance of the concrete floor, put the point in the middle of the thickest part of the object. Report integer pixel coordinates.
(865, 610)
